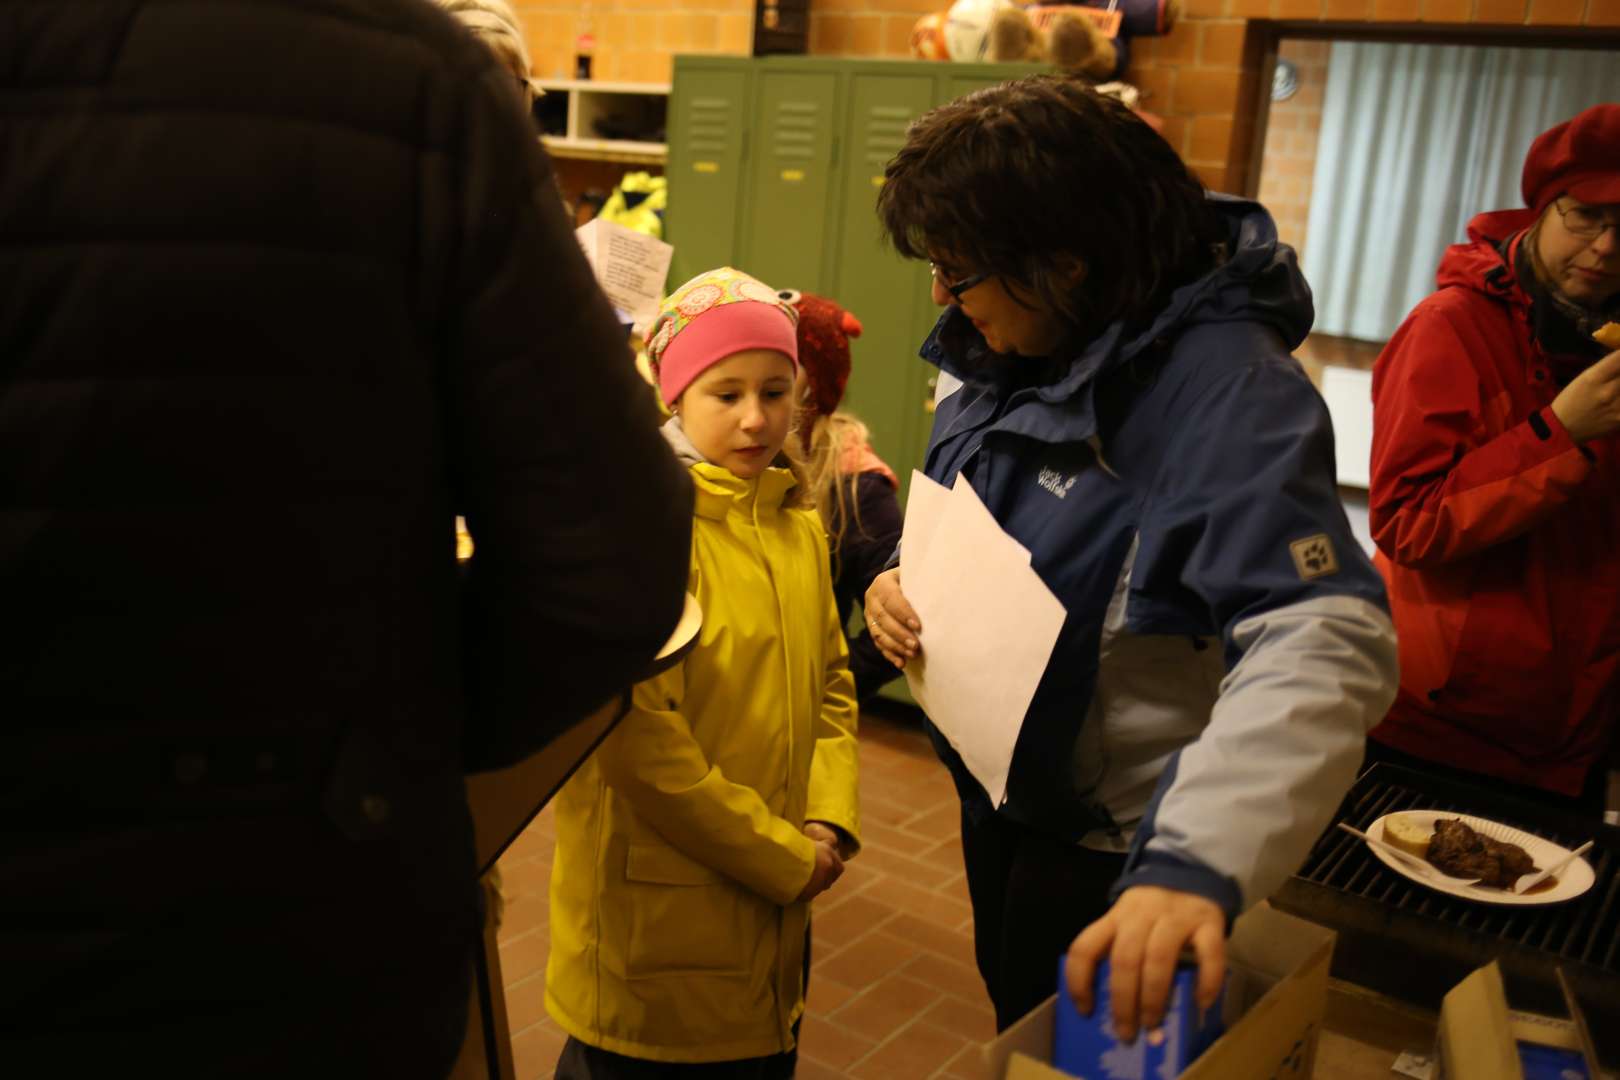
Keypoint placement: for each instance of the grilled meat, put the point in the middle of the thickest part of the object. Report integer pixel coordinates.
(1461, 852)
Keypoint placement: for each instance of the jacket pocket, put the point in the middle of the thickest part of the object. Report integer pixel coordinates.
(1508, 681)
(685, 919)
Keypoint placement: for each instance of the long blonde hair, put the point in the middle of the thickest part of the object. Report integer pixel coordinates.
(818, 463)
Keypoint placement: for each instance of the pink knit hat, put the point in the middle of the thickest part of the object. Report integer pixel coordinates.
(717, 314)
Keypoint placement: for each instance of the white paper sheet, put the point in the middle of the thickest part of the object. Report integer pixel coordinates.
(630, 267)
(989, 626)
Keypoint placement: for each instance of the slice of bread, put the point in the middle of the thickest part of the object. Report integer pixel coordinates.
(1608, 335)
(1402, 833)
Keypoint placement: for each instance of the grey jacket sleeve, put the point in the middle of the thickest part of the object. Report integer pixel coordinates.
(580, 515)
(1284, 742)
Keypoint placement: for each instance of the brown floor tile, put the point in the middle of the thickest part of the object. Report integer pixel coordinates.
(958, 888)
(975, 1021)
(879, 808)
(941, 822)
(858, 876)
(534, 1052)
(526, 1003)
(968, 1064)
(947, 975)
(526, 877)
(865, 960)
(523, 913)
(826, 995)
(951, 944)
(917, 1050)
(883, 860)
(810, 1070)
(838, 926)
(887, 1006)
(524, 956)
(947, 854)
(942, 910)
(887, 836)
(831, 1045)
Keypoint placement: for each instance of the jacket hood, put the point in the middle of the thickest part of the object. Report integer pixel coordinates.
(1258, 280)
(1485, 262)
(675, 435)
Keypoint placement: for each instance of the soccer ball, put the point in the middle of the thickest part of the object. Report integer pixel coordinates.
(928, 38)
(967, 27)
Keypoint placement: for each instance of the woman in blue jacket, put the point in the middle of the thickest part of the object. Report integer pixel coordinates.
(1117, 386)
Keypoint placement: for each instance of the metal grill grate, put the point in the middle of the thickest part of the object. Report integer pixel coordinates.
(1411, 942)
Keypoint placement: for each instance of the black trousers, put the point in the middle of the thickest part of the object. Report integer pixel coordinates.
(1032, 894)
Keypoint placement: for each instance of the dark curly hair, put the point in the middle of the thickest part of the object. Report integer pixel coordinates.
(1034, 178)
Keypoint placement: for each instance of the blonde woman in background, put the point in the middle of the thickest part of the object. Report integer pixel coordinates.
(855, 491)
(495, 24)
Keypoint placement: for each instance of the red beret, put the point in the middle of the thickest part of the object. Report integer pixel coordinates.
(1579, 158)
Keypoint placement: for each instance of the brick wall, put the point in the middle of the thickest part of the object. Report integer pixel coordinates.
(1204, 76)
(636, 40)
(1289, 160)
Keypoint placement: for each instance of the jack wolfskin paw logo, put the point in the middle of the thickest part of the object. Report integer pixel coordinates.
(1314, 557)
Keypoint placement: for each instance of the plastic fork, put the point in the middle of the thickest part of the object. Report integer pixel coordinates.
(1525, 884)
(1411, 860)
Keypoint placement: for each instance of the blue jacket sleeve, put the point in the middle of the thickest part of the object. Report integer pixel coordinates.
(1245, 534)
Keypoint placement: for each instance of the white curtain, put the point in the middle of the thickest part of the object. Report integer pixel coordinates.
(1416, 140)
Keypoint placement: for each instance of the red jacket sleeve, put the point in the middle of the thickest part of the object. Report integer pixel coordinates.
(1460, 461)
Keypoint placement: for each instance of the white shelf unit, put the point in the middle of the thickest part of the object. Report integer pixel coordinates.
(572, 108)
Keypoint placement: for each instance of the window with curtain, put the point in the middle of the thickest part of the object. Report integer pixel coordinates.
(1416, 140)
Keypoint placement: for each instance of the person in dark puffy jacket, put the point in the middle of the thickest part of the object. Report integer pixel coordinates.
(1495, 460)
(286, 290)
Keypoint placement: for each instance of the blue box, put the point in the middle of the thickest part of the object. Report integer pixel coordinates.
(1086, 1046)
(1551, 1062)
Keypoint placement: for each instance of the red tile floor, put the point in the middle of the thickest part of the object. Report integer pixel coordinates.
(894, 994)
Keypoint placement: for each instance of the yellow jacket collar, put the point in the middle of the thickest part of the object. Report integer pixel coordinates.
(719, 490)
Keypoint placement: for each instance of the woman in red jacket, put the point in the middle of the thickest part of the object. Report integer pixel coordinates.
(1496, 486)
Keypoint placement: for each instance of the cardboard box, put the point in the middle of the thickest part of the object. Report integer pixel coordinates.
(1480, 1038)
(1276, 994)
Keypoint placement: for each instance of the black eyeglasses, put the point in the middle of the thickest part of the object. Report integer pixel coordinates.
(956, 289)
(1586, 221)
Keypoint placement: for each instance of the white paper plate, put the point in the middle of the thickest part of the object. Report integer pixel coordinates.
(1573, 879)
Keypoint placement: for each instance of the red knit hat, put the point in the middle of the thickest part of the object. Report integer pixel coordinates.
(1579, 158)
(824, 333)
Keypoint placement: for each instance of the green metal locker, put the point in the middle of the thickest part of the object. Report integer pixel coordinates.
(887, 293)
(708, 133)
(789, 205)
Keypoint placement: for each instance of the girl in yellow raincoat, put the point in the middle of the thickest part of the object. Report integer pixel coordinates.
(690, 844)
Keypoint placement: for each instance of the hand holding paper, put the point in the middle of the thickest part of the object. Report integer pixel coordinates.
(989, 625)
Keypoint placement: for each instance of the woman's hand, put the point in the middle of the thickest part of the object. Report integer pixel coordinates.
(1589, 407)
(893, 624)
(1144, 932)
